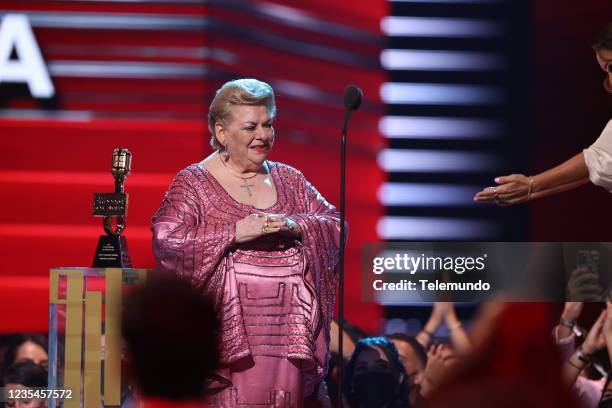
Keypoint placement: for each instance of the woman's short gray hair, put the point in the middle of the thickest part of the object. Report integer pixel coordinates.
(246, 91)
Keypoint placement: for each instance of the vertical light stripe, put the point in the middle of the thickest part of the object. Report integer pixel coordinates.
(74, 339)
(92, 382)
(112, 325)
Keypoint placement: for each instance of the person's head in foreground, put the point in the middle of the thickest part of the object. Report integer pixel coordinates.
(375, 376)
(21, 378)
(26, 347)
(603, 53)
(414, 357)
(171, 334)
(240, 122)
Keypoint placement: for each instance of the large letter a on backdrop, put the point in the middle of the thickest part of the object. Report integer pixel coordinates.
(29, 67)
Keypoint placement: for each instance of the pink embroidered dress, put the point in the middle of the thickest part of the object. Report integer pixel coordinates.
(275, 295)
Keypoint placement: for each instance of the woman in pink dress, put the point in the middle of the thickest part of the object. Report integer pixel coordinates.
(260, 240)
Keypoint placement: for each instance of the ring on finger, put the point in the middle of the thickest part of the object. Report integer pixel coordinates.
(495, 195)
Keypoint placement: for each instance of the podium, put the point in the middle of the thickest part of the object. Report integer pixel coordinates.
(85, 347)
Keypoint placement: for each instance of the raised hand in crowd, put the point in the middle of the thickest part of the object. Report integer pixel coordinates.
(459, 338)
(606, 399)
(583, 285)
(434, 322)
(569, 319)
(593, 342)
(444, 312)
(439, 359)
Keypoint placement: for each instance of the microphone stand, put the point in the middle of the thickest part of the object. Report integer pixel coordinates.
(347, 116)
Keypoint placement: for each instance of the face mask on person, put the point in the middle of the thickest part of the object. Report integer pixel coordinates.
(374, 390)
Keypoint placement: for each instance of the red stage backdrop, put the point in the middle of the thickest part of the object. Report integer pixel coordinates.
(140, 75)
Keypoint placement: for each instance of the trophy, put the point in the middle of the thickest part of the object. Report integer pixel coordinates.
(112, 248)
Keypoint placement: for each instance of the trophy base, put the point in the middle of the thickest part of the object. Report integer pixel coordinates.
(112, 252)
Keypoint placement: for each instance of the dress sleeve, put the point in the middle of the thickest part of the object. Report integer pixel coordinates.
(598, 158)
(320, 225)
(185, 240)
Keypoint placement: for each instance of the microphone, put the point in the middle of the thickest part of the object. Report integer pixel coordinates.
(352, 97)
(121, 167)
(352, 100)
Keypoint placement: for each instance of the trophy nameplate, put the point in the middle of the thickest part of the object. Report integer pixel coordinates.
(112, 249)
(110, 204)
(112, 252)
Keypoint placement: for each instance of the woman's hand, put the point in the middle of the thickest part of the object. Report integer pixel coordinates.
(512, 189)
(290, 227)
(569, 317)
(458, 335)
(437, 316)
(439, 360)
(607, 327)
(595, 339)
(607, 333)
(254, 226)
(583, 285)
(434, 370)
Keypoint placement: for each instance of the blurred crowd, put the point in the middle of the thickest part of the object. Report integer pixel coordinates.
(511, 355)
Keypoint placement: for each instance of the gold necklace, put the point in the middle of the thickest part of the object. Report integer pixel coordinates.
(245, 184)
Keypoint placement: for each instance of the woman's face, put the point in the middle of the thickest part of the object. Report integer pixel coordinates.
(248, 135)
(374, 384)
(32, 351)
(604, 59)
(372, 359)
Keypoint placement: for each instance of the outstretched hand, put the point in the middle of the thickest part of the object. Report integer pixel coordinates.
(512, 189)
